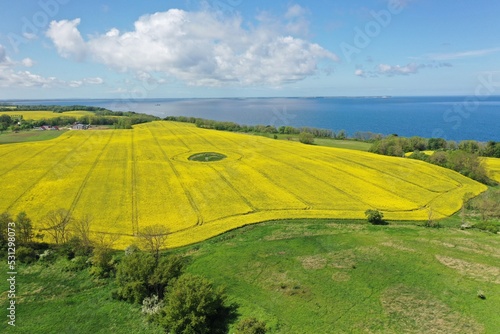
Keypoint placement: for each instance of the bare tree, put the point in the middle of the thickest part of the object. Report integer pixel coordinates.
(105, 240)
(81, 229)
(154, 238)
(56, 224)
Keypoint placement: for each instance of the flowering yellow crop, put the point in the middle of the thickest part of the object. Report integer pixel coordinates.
(44, 114)
(128, 179)
(493, 168)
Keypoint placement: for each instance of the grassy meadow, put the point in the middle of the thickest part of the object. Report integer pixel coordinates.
(129, 179)
(302, 276)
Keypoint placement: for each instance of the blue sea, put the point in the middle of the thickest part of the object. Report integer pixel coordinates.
(453, 118)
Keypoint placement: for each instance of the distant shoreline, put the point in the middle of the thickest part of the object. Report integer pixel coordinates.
(450, 117)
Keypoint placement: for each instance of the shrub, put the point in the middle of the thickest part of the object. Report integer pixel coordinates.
(487, 226)
(77, 263)
(251, 326)
(74, 247)
(25, 255)
(375, 217)
(103, 264)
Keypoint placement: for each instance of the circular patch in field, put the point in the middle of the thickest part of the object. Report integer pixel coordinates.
(207, 157)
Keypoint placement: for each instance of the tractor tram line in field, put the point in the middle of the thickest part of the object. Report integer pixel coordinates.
(88, 174)
(40, 152)
(307, 205)
(269, 178)
(176, 172)
(47, 172)
(309, 174)
(133, 160)
(226, 181)
(203, 168)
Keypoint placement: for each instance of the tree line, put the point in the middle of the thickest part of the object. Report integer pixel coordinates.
(235, 127)
(394, 145)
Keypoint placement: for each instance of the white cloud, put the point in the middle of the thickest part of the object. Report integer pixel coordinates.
(389, 70)
(30, 36)
(12, 77)
(201, 48)
(360, 73)
(463, 54)
(67, 38)
(93, 81)
(28, 62)
(295, 11)
(394, 70)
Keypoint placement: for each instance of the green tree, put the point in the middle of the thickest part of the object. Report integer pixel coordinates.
(132, 276)
(375, 217)
(195, 306)
(436, 144)
(168, 269)
(5, 219)
(470, 146)
(139, 275)
(341, 135)
(306, 138)
(103, 262)
(123, 123)
(24, 228)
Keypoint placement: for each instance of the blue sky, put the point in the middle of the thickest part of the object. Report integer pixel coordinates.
(242, 48)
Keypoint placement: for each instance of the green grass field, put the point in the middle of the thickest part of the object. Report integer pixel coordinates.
(302, 276)
(28, 136)
(340, 277)
(329, 142)
(52, 300)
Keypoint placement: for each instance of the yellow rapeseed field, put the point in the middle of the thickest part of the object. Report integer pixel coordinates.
(43, 114)
(129, 179)
(493, 168)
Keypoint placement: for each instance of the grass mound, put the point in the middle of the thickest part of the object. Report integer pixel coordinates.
(207, 157)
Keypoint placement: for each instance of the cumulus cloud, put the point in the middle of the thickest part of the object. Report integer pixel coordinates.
(67, 38)
(395, 70)
(201, 48)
